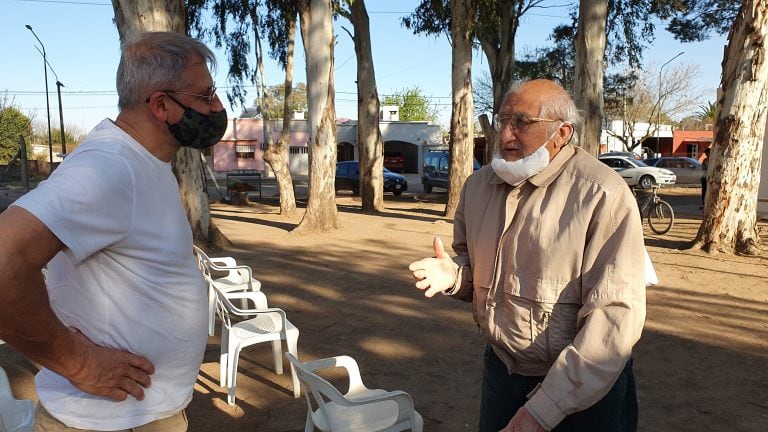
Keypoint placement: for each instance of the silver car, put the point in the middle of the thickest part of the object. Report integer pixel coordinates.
(636, 173)
(687, 170)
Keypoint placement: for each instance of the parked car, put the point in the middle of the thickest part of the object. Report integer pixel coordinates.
(435, 171)
(630, 155)
(348, 178)
(636, 173)
(687, 170)
(394, 161)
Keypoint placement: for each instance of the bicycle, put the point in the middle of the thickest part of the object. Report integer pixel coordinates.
(659, 212)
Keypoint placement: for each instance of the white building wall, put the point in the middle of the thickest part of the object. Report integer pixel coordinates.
(762, 194)
(612, 143)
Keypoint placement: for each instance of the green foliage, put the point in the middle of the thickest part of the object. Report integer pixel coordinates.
(696, 20)
(235, 24)
(275, 95)
(707, 113)
(414, 105)
(12, 125)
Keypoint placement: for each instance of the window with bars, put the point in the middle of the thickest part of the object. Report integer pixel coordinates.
(298, 150)
(245, 151)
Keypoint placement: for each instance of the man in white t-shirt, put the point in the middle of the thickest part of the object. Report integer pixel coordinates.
(120, 329)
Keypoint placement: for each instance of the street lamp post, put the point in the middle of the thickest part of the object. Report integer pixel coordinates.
(59, 85)
(658, 113)
(47, 102)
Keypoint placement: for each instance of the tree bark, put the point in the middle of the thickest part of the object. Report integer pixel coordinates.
(733, 177)
(317, 34)
(275, 154)
(462, 114)
(138, 16)
(368, 133)
(588, 77)
(499, 49)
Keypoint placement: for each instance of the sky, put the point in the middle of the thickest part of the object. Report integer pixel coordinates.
(82, 48)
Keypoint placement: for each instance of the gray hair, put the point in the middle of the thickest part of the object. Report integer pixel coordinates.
(156, 61)
(559, 107)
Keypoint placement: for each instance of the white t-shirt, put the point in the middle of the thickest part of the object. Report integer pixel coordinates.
(126, 278)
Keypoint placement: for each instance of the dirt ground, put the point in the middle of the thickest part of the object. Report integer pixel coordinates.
(701, 365)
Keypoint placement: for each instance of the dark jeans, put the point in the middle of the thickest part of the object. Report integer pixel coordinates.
(503, 394)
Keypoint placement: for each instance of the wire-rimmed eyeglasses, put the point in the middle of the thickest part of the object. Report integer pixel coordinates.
(516, 121)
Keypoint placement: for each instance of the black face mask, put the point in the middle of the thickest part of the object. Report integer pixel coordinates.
(197, 130)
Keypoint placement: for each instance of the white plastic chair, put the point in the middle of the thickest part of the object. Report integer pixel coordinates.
(236, 278)
(263, 324)
(361, 409)
(15, 415)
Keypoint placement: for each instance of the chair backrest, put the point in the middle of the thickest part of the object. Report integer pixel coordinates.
(318, 391)
(15, 415)
(202, 260)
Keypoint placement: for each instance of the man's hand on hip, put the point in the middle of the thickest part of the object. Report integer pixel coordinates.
(435, 274)
(108, 372)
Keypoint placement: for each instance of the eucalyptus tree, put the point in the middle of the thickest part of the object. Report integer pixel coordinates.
(588, 76)
(462, 112)
(317, 35)
(234, 25)
(369, 141)
(137, 16)
(494, 25)
(733, 178)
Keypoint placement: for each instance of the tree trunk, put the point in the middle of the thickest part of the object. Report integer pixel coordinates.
(368, 133)
(588, 77)
(490, 139)
(317, 34)
(462, 114)
(733, 177)
(275, 154)
(500, 52)
(138, 16)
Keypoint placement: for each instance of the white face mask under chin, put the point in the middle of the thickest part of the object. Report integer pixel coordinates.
(515, 172)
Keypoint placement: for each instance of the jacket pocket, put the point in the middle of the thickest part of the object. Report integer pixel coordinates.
(539, 320)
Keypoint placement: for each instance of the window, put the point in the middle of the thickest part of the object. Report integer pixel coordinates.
(245, 151)
(298, 150)
(443, 164)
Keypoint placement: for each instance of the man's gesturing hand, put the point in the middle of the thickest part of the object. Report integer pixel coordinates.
(435, 274)
(108, 372)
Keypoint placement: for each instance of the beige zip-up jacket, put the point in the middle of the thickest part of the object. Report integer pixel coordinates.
(555, 269)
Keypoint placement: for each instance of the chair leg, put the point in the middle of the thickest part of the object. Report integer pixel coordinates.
(232, 376)
(309, 426)
(211, 313)
(224, 357)
(277, 351)
(292, 340)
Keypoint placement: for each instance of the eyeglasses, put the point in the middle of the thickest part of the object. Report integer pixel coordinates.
(516, 121)
(207, 98)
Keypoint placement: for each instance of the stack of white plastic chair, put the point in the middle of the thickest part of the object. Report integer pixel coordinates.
(232, 278)
(360, 409)
(262, 324)
(15, 415)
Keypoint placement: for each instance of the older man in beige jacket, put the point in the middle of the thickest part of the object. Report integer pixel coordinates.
(550, 251)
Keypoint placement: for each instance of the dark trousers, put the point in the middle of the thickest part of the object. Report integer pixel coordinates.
(503, 394)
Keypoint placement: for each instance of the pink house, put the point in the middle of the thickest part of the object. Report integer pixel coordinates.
(241, 148)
